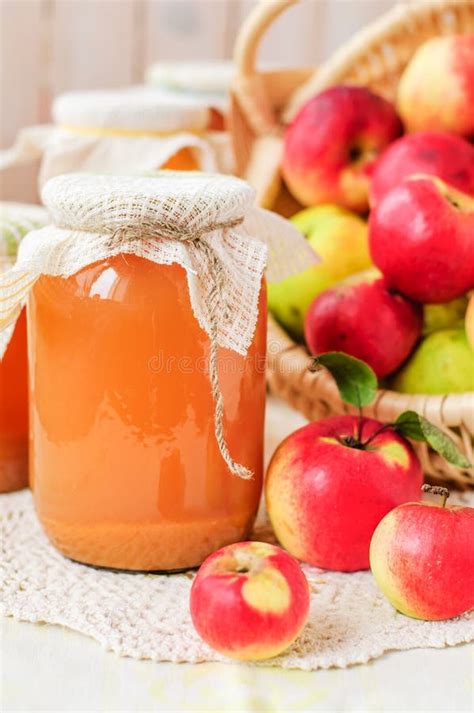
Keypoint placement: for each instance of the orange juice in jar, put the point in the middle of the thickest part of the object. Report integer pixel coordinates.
(147, 454)
(15, 221)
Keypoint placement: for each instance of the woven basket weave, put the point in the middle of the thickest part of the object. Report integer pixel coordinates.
(262, 103)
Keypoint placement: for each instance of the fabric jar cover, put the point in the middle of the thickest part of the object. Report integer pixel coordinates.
(204, 222)
(131, 130)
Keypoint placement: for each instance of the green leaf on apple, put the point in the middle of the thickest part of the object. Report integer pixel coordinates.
(411, 425)
(356, 381)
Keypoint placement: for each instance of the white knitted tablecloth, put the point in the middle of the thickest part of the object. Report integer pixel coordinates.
(147, 616)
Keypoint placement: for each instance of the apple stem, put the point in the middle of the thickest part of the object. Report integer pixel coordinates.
(436, 490)
(376, 433)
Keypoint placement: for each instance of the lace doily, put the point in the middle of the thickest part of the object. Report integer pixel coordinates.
(146, 616)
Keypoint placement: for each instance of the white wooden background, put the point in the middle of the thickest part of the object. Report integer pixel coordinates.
(49, 46)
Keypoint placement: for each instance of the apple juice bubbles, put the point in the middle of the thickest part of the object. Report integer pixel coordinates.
(15, 221)
(147, 324)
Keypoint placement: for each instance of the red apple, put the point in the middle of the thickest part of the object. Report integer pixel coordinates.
(436, 89)
(249, 601)
(331, 482)
(422, 557)
(436, 153)
(367, 320)
(421, 236)
(331, 145)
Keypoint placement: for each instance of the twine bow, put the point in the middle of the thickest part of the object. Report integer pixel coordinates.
(157, 230)
(214, 301)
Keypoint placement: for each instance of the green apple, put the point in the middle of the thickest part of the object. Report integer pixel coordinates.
(444, 316)
(340, 239)
(442, 364)
(470, 321)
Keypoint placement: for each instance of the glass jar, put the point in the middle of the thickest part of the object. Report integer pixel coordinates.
(137, 129)
(15, 221)
(125, 466)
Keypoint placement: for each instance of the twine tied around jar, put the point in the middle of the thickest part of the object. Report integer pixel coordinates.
(147, 229)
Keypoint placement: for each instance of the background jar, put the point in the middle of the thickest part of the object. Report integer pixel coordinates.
(15, 221)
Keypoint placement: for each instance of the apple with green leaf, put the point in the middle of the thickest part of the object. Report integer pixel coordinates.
(330, 483)
(422, 558)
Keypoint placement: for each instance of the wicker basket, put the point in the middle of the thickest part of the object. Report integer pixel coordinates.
(261, 105)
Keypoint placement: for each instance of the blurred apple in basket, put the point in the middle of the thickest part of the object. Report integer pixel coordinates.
(421, 237)
(366, 319)
(436, 153)
(340, 239)
(445, 315)
(332, 143)
(442, 364)
(436, 89)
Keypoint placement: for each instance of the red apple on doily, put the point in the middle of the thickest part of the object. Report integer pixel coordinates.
(331, 145)
(422, 557)
(249, 601)
(421, 236)
(330, 483)
(435, 153)
(367, 320)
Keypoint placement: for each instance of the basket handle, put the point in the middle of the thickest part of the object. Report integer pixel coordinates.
(252, 31)
(248, 85)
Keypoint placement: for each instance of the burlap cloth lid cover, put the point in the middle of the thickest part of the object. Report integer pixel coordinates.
(16, 220)
(130, 130)
(206, 223)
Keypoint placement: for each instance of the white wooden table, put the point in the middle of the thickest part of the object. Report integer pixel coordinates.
(46, 668)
